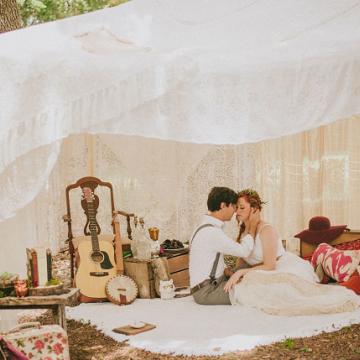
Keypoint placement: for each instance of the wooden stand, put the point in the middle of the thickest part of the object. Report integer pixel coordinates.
(307, 249)
(179, 269)
(93, 183)
(54, 302)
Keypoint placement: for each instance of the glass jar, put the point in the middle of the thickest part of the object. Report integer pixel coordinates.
(141, 243)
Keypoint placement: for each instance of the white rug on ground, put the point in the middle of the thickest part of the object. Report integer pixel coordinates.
(183, 327)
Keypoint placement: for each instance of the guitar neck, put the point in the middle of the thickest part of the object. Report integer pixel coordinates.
(93, 227)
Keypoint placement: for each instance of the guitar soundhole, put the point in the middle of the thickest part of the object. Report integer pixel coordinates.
(97, 256)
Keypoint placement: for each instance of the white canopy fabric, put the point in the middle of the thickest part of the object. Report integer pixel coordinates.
(206, 72)
(220, 72)
(216, 72)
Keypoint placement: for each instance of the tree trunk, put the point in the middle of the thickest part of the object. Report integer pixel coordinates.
(9, 16)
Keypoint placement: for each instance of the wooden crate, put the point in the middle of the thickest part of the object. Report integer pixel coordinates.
(307, 249)
(179, 269)
(142, 273)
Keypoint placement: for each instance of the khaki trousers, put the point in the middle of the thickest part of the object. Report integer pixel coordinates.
(213, 294)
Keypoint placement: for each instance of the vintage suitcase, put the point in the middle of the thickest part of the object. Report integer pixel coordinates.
(37, 341)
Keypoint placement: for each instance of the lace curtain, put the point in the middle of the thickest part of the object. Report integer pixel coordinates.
(299, 176)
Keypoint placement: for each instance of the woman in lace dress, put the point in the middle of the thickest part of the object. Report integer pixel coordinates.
(277, 281)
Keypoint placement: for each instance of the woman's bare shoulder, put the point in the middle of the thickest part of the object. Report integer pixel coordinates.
(267, 230)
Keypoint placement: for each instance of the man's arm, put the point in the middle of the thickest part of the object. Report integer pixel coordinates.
(229, 247)
(244, 249)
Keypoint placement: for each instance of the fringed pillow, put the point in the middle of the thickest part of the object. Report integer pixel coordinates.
(337, 264)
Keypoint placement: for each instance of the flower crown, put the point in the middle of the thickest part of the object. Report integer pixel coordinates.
(252, 194)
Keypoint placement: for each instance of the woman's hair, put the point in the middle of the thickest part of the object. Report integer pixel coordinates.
(253, 198)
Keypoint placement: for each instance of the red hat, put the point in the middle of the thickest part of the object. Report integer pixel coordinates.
(320, 231)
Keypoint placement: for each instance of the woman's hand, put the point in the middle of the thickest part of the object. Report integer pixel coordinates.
(234, 279)
(254, 217)
(253, 222)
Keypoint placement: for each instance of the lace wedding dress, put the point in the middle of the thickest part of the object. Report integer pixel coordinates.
(291, 289)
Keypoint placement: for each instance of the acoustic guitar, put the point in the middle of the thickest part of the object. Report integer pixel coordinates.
(95, 257)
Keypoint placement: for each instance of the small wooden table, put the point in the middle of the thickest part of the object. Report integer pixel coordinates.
(54, 302)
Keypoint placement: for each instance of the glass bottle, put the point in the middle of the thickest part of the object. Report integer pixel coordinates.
(143, 245)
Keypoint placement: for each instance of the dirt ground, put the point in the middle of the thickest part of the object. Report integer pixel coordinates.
(88, 343)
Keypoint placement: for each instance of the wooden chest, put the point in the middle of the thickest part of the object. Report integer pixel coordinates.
(306, 249)
(141, 271)
(179, 269)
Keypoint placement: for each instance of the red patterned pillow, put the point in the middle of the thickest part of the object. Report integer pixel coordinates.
(338, 264)
(324, 279)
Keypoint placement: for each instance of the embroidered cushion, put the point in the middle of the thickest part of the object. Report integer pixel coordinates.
(323, 278)
(338, 264)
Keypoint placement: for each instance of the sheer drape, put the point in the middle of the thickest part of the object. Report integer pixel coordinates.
(313, 173)
(299, 176)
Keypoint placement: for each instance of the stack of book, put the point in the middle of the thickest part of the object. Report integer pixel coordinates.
(39, 266)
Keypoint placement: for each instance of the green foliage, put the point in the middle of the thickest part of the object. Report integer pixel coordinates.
(305, 349)
(289, 343)
(6, 276)
(39, 11)
(53, 281)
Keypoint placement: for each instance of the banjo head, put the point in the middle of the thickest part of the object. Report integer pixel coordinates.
(121, 290)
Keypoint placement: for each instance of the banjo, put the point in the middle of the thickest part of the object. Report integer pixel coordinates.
(120, 289)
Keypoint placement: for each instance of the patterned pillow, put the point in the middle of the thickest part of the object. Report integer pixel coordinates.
(324, 279)
(338, 264)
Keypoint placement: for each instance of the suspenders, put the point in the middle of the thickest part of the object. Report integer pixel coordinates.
(215, 264)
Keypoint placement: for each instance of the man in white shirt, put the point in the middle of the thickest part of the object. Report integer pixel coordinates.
(206, 267)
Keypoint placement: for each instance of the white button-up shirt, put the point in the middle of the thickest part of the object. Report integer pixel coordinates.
(209, 241)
